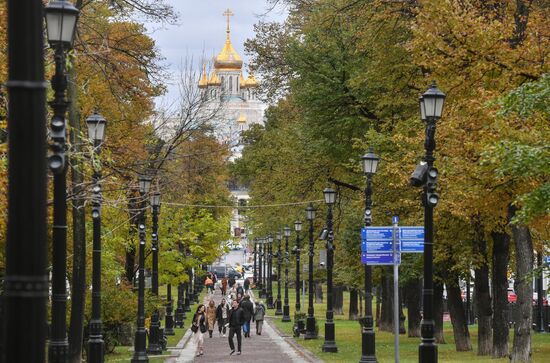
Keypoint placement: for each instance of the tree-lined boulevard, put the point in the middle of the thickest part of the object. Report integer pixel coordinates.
(379, 116)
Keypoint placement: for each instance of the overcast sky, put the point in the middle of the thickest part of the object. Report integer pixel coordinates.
(201, 30)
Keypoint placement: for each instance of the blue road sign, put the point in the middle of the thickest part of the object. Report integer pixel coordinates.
(395, 219)
(546, 259)
(376, 246)
(412, 239)
(384, 258)
(377, 234)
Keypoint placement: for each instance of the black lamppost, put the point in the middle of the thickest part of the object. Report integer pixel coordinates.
(154, 331)
(278, 308)
(286, 308)
(260, 270)
(329, 345)
(255, 272)
(264, 272)
(61, 18)
(370, 164)
(297, 250)
(169, 318)
(269, 271)
(140, 353)
(96, 351)
(25, 285)
(425, 175)
(310, 322)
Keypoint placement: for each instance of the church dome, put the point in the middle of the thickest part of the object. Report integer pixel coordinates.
(203, 82)
(251, 81)
(228, 58)
(214, 80)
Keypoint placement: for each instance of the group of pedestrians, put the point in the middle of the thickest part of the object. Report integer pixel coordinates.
(235, 314)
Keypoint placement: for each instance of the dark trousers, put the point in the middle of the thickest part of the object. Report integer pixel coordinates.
(233, 331)
(221, 325)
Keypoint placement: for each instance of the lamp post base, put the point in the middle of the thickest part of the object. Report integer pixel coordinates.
(286, 314)
(310, 328)
(96, 345)
(368, 347)
(329, 345)
(154, 335)
(140, 355)
(270, 302)
(278, 307)
(58, 351)
(169, 321)
(427, 353)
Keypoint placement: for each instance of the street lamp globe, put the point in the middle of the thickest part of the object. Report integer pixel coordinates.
(330, 196)
(96, 128)
(270, 238)
(422, 109)
(278, 236)
(298, 226)
(287, 231)
(155, 199)
(432, 101)
(370, 162)
(61, 17)
(144, 184)
(310, 212)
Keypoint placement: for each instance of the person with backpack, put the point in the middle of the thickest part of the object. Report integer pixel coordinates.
(236, 321)
(259, 313)
(209, 285)
(199, 328)
(248, 312)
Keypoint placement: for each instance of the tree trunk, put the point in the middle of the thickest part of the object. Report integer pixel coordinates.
(353, 309)
(458, 317)
(402, 317)
(318, 293)
(338, 300)
(438, 312)
(521, 348)
(413, 296)
(386, 311)
(501, 256)
(481, 293)
(78, 285)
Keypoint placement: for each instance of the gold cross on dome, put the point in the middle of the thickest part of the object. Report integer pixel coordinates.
(228, 13)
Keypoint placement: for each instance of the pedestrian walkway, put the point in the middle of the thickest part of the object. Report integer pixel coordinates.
(269, 347)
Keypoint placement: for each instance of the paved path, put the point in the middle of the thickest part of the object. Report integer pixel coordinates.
(269, 347)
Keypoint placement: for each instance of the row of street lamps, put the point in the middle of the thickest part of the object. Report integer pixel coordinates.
(425, 175)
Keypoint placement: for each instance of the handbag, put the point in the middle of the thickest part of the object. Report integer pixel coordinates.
(194, 328)
(203, 328)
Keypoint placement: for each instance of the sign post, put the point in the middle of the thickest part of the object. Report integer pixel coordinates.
(395, 221)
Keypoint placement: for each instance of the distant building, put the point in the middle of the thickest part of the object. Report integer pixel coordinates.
(227, 87)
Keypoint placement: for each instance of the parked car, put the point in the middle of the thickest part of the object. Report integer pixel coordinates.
(221, 271)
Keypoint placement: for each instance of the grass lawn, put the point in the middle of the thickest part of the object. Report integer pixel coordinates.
(123, 353)
(348, 340)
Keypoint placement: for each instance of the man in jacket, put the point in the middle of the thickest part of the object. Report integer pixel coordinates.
(248, 312)
(259, 313)
(236, 320)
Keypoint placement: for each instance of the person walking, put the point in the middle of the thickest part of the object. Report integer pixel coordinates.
(259, 313)
(239, 290)
(236, 320)
(248, 312)
(222, 314)
(246, 286)
(209, 285)
(231, 281)
(224, 286)
(199, 328)
(211, 316)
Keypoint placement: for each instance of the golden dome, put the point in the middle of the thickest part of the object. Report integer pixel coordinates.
(203, 83)
(228, 57)
(251, 81)
(242, 119)
(242, 82)
(214, 80)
